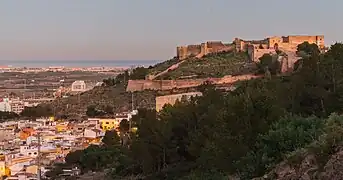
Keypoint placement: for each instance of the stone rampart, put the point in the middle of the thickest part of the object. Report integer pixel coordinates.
(171, 99)
(140, 85)
(200, 50)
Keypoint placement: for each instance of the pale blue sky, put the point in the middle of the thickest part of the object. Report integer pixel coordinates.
(151, 29)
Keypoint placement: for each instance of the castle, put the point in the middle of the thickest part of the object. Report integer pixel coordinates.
(254, 48)
(200, 50)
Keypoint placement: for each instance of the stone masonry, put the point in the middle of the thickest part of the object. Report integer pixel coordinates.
(171, 99)
(202, 49)
(255, 48)
(161, 85)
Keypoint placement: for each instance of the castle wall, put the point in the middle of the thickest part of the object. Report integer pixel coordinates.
(285, 42)
(260, 52)
(301, 39)
(193, 50)
(171, 99)
(199, 51)
(319, 40)
(140, 85)
(272, 41)
(181, 52)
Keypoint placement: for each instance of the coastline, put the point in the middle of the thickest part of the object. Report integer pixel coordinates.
(76, 63)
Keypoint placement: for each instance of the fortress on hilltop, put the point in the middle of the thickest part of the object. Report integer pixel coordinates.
(200, 50)
(255, 48)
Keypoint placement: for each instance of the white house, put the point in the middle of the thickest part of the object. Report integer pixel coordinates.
(32, 151)
(29, 151)
(5, 105)
(31, 139)
(93, 133)
(78, 86)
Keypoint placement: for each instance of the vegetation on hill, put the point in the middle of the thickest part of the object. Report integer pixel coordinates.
(101, 101)
(212, 65)
(263, 124)
(159, 67)
(4, 116)
(112, 97)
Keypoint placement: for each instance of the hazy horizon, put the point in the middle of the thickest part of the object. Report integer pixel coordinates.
(150, 30)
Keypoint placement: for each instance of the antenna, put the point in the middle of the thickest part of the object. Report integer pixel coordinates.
(131, 111)
(38, 158)
(132, 107)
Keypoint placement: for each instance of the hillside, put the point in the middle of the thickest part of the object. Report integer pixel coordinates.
(273, 128)
(106, 98)
(212, 65)
(114, 96)
(321, 159)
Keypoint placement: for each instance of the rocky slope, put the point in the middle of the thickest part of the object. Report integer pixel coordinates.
(309, 168)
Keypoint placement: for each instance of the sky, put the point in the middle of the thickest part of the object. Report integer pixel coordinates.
(151, 29)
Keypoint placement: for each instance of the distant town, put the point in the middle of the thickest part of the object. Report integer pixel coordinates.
(27, 87)
(50, 139)
(29, 148)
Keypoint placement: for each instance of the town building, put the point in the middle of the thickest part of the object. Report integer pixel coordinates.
(78, 86)
(5, 105)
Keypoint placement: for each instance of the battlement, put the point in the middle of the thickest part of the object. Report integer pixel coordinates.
(254, 48)
(287, 42)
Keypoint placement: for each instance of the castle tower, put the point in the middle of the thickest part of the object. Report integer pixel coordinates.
(320, 41)
(204, 50)
(181, 52)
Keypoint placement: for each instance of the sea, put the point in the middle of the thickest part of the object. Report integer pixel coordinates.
(78, 63)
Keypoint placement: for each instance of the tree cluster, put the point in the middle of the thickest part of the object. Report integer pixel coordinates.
(37, 111)
(7, 115)
(243, 133)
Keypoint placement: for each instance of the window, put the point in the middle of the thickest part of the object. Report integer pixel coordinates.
(107, 122)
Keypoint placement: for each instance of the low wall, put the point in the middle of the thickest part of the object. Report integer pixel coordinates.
(140, 85)
(171, 99)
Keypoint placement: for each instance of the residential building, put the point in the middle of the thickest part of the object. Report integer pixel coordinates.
(93, 133)
(78, 86)
(109, 124)
(5, 105)
(61, 127)
(4, 171)
(17, 106)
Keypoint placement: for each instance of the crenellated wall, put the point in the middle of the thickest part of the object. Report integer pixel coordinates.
(256, 49)
(200, 50)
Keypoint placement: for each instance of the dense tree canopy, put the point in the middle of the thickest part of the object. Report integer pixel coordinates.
(7, 115)
(244, 133)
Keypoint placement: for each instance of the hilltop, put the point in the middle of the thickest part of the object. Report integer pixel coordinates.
(211, 65)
